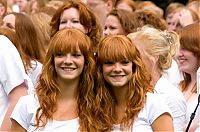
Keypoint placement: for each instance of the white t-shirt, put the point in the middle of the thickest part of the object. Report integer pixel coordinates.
(190, 109)
(35, 71)
(12, 72)
(175, 100)
(153, 108)
(25, 111)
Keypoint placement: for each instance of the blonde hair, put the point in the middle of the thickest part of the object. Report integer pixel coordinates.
(162, 44)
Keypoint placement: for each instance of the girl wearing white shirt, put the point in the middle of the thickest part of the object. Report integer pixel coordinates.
(127, 96)
(64, 99)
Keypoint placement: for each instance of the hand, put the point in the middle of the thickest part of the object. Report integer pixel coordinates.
(185, 18)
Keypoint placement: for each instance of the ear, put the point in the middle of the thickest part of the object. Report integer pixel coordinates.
(109, 5)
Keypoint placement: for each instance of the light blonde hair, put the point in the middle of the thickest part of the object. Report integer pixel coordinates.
(162, 44)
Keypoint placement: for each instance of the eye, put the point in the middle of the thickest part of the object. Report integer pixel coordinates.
(10, 26)
(63, 21)
(75, 21)
(108, 62)
(125, 62)
(112, 27)
(60, 54)
(76, 54)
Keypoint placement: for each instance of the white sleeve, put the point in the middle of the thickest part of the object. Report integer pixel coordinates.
(155, 107)
(11, 67)
(178, 108)
(20, 113)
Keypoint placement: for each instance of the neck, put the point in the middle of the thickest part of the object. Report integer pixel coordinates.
(155, 76)
(120, 94)
(68, 89)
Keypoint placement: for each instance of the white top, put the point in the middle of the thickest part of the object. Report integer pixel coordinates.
(190, 109)
(25, 111)
(175, 100)
(173, 74)
(35, 71)
(12, 72)
(153, 108)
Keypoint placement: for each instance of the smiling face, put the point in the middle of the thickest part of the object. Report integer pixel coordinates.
(70, 19)
(117, 74)
(187, 61)
(69, 66)
(9, 21)
(112, 26)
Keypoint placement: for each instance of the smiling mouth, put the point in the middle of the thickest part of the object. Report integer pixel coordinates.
(68, 69)
(118, 77)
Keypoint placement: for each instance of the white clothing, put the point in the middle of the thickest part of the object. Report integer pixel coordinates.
(35, 71)
(12, 73)
(25, 111)
(190, 109)
(173, 74)
(153, 108)
(175, 100)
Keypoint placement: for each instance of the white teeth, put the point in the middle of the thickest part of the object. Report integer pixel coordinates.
(68, 69)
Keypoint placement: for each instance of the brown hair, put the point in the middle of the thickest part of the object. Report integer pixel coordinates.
(127, 19)
(129, 2)
(117, 48)
(147, 17)
(28, 39)
(47, 91)
(87, 19)
(190, 40)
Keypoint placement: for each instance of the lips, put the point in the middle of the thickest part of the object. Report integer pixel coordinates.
(117, 77)
(68, 68)
(181, 60)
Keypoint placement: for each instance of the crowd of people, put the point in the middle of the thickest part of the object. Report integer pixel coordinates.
(99, 65)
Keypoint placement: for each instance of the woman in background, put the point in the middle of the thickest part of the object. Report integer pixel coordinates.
(188, 60)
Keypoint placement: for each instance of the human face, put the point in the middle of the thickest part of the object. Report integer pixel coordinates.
(118, 74)
(22, 5)
(112, 26)
(9, 21)
(69, 66)
(173, 22)
(2, 9)
(187, 61)
(70, 19)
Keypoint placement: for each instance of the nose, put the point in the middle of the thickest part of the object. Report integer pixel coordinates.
(68, 24)
(117, 67)
(68, 60)
(106, 32)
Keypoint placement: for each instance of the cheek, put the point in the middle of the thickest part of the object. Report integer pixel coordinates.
(61, 26)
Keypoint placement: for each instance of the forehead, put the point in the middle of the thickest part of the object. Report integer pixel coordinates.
(95, 1)
(9, 18)
(70, 12)
(112, 19)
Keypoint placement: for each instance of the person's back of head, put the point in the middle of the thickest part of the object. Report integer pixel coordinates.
(162, 45)
(147, 17)
(31, 43)
(42, 23)
(128, 5)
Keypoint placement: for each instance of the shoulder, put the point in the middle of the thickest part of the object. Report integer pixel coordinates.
(154, 107)
(5, 42)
